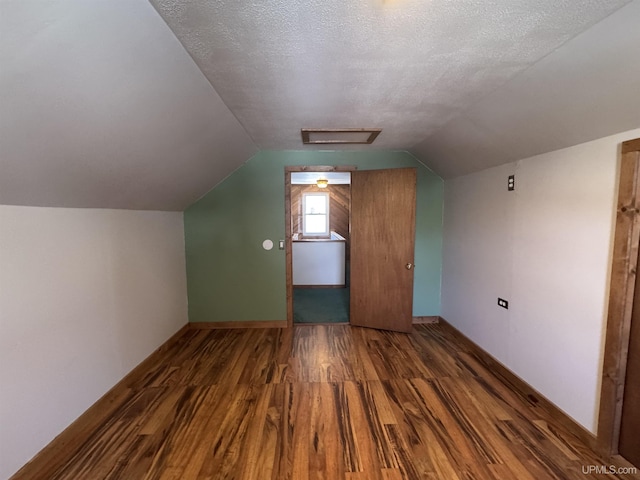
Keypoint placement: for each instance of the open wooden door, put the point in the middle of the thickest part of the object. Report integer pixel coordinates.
(383, 212)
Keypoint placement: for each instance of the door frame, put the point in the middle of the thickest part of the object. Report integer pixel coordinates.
(288, 242)
(621, 291)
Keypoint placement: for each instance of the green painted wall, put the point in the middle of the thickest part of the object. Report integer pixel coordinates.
(232, 278)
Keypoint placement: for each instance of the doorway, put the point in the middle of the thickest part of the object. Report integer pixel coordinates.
(320, 218)
(381, 245)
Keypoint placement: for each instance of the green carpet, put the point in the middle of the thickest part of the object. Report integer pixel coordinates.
(320, 305)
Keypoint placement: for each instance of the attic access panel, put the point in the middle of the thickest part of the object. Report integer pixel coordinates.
(333, 136)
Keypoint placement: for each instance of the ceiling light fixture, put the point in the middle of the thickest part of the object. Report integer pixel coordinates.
(322, 183)
(339, 135)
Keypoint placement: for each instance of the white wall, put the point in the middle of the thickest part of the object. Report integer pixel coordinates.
(85, 295)
(546, 247)
(318, 262)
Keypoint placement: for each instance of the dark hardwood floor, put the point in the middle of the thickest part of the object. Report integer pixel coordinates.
(324, 402)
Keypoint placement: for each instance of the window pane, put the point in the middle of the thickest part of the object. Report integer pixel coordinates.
(315, 204)
(315, 224)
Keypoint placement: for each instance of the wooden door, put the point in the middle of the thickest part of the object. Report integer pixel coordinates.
(629, 445)
(383, 211)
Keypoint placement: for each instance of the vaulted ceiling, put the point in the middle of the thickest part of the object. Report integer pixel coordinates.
(125, 104)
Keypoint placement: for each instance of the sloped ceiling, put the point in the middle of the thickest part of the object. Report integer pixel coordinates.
(412, 67)
(587, 89)
(100, 106)
(106, 103)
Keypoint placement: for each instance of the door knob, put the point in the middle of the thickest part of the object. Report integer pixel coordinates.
(409, 266)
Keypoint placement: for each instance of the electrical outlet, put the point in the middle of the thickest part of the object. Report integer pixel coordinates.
(503, 303)
(511, 183)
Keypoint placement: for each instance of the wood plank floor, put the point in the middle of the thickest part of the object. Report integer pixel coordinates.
(325, 402)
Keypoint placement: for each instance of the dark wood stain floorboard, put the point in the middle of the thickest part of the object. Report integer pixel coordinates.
(325, 402)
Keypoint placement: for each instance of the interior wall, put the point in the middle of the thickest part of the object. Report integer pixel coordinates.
(546, 248)
(85, 295)
(231, 278)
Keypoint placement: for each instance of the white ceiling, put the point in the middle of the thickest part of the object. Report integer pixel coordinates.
(309, 178)
(101, 106)
(587, 89)
(408, 66)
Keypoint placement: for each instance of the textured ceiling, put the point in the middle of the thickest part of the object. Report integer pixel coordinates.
(102, 104)
(588, 89)
(408, 66)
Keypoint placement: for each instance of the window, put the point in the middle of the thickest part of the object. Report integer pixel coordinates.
(315, 214)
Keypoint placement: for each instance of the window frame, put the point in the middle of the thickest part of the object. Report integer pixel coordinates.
(327, 231)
